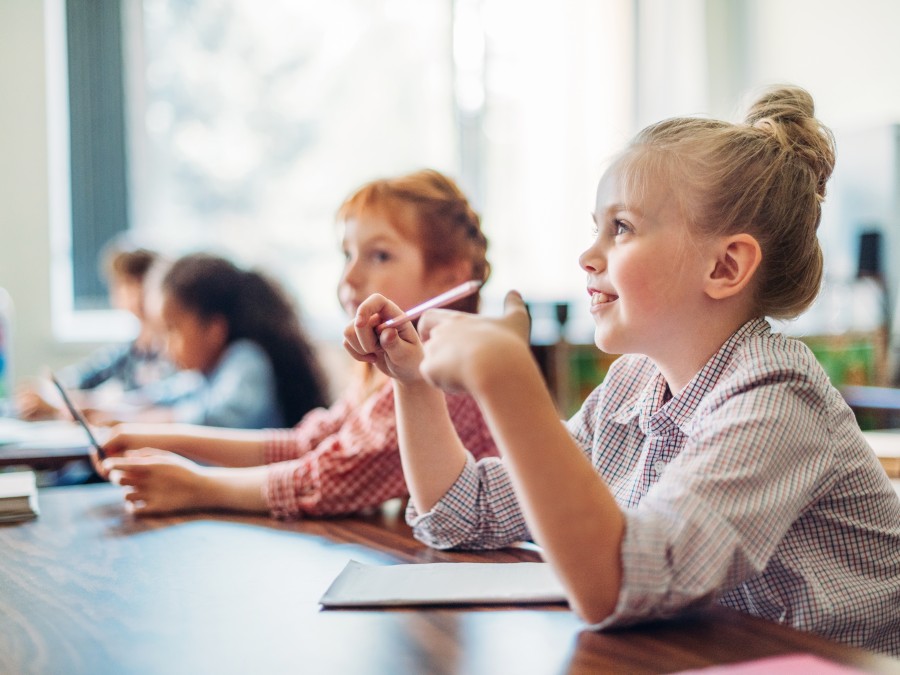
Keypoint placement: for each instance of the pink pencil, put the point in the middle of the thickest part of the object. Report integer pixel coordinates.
(441, 300)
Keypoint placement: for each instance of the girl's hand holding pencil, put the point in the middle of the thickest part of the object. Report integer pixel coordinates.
(464, 352)
(383, 334)
(461, 349)
(395, 350)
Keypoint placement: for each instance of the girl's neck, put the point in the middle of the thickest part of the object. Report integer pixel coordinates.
(689, 355)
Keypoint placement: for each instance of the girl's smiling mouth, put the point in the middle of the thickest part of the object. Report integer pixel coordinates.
(601, 297)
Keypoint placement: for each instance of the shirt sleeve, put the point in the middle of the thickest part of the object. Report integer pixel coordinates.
(316, 426)
(725, 503)
(240, 393)
(101, 365)
(480, 510)
(356, 466)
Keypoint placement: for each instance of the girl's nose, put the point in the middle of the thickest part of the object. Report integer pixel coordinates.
(349, 276)
(592, 259)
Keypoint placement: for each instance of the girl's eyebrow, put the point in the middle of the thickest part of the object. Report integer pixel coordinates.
(621, 207)
(609, 211)
(378, 239)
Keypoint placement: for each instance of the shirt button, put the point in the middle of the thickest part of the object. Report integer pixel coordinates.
(659, 466)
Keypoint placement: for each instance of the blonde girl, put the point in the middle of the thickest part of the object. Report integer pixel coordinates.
(716, 462)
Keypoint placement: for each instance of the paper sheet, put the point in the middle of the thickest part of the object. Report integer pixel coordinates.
(360, 585)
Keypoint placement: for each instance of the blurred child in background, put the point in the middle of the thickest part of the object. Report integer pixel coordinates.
(117, 368)
(238, 330)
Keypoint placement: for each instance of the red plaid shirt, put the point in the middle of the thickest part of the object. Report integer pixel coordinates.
(753, 487)
(346, 458)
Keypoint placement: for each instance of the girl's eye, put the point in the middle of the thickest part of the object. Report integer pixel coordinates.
(380, 256)
(620, 227)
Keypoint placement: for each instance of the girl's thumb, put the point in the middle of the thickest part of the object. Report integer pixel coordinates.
(515, 312)
(513, 302)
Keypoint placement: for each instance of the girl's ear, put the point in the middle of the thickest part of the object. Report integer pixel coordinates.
(737, 259)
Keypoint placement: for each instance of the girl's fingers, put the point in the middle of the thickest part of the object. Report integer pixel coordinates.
(368, 316)
(139, 462)
(134, 496)
(127, 479)
(119, 464)
(434, 318)
(138, 453)
(356, 353)
(97, 463)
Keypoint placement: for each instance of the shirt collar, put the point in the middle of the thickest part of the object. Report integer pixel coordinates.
(659, 413)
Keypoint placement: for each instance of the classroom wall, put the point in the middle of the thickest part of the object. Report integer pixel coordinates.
(24, 212)
(845, 53)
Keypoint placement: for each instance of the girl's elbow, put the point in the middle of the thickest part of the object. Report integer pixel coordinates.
(592, 608)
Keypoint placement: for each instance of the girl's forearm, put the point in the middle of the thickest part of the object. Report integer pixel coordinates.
(209, 445)
(226, 447)
(569, 509)
(234, 489)
(430, 450)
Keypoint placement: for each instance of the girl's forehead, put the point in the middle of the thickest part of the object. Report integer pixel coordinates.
(371, 225)
(616, 189)
(632, 183)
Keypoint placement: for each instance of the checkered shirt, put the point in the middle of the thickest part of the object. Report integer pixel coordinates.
(753, 487)
(346, 458)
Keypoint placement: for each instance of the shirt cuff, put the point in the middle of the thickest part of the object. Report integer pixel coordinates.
(449, 523)
(279, 491)
(279, 445)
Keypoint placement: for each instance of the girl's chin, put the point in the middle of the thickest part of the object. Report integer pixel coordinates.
(606, 342)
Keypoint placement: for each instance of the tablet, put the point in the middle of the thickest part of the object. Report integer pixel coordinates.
(76, 413)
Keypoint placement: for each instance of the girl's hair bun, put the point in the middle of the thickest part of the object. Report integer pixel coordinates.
(787, 113)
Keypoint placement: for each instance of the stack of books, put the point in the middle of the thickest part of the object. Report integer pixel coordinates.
(18, 496)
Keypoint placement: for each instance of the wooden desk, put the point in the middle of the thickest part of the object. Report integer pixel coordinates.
(89, 589)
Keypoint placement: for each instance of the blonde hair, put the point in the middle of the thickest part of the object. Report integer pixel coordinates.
(765, 176)
(427, 208)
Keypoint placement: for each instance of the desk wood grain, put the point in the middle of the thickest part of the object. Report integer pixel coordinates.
(87, 588)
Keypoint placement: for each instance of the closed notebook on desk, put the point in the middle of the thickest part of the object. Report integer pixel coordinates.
(18, 496)
(360, 585)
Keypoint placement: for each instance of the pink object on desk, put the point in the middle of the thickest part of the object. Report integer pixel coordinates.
(795, 664)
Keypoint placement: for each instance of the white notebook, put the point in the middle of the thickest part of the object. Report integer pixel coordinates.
(360, 585)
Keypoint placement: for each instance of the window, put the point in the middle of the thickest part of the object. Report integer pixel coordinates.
(245, 128)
